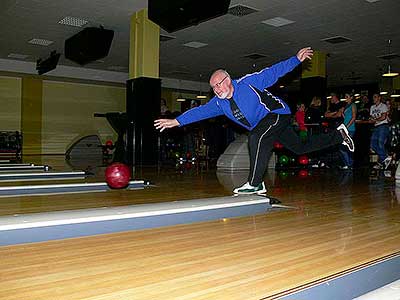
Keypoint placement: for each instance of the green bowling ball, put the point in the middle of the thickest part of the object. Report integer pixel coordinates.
(284, 160)
(283, 174)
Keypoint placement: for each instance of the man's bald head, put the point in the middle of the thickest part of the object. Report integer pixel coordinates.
(221, 83)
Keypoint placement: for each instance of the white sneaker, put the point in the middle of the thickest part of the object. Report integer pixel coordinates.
(342, 126)
(387, 173)
(248, 189)
(347, 140)
(387, 161)
(320, 164)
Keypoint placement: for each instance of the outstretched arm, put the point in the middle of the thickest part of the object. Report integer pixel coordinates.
(270, 75)
(209, 110)
(305, 53)
(162, 124)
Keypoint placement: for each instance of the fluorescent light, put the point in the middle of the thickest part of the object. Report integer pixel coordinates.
(383, 93)
(41, 42)
(18, 56)
(277, 22)
(180, 100)
(195, 44)
(395, 95)
(356, 95)
(389, 73)
(338, 39)
(201, 97)
(73, 21)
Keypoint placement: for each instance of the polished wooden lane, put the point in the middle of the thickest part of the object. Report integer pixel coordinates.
(341, 220)
(171, 183)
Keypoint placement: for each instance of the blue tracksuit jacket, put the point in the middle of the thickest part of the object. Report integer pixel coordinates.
(250, 95)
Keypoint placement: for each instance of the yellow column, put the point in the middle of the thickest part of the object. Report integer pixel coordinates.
(31, 116)
(316, 67)
(144, 48)
(396, 83)
(313, 77)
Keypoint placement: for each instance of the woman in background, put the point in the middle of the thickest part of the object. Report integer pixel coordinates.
(349, 114)
(314, 112)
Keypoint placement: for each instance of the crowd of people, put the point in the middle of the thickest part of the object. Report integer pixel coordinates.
(380, 114)
(315, 119)
(248, 103)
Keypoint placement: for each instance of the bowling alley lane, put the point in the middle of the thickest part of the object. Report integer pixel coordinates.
(166, 184)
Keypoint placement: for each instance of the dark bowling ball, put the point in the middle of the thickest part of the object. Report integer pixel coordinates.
(118, 175)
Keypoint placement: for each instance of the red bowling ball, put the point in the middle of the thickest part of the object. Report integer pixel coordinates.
(303, 160)
(303, 173)
(118, 175)
(278, 145)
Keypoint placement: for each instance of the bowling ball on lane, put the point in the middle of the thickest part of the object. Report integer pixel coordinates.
(118, 175)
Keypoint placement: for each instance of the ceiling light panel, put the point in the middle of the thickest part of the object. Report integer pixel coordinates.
(336, 40)
(18, 56)
(240, 10)
(277, 22)
(41, 42)
(195, 44)
(73, 21)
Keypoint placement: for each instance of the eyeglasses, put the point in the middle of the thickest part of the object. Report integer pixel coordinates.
(219, 83)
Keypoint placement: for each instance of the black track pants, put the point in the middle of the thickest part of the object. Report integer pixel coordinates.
(276, 127)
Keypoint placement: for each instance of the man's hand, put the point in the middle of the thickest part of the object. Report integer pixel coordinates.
(305, 53)
(165, 123)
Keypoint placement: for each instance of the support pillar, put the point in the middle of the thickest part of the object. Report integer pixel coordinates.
(31, 116)
(143, 91)
(313, 77)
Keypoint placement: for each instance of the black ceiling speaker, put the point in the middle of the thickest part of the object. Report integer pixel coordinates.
(173, 15)
(90, 44)
(48, 64)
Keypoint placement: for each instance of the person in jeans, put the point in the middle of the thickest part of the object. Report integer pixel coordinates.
(349, 115)
(379, 116)
(247, 102)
